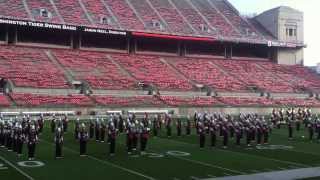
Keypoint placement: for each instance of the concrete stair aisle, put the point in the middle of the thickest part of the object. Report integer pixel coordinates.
(180, 74)
(121, 69)
(226, 72)
(67, 74)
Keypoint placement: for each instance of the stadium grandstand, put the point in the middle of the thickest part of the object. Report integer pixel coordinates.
(99, 55)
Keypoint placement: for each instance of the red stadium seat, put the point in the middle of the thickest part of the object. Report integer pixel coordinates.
(249, 73)
(126, 16)
(172, 17)
(246, 101)
(51, 100)
(94, 68)
(150, 70)
(30, 67)
(72, 12)
(215, 18)
(189, 101)
(35, 5)
(139, 101)
(13, 9)
(4, 102)
(202, 72)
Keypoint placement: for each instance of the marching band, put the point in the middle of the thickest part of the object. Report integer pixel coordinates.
(254, 129)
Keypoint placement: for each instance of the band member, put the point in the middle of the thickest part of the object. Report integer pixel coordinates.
(91, 128)
(97, 129)
(188, 126)
(202, 133)
(103, 129)
(213, 132)
(248, 133)
(83, 138)
(290, 129)
(311, 130)
(65, 122)
(58, 139)
(318, 129)
(32, 139)
(225, 135)
(77, 128)
(1, 133)
(168, 124)
(299, 119)
(259, 134)
(155, 126)
(9, 136)
(135, 132)
(237, 130)
(113, 133)
(179, 127)
(144, 134)
(41, 123)
(129, 130)
(15, 137)
(53, 124)
(121, 124)
(265, 133)
(20, 140)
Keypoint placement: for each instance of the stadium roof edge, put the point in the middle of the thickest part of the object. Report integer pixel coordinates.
(72, 27)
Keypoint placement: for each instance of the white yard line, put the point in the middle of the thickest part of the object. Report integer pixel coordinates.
(16, 168)
(276, 175)
(209, 165)
(262, 157)
(108, 163)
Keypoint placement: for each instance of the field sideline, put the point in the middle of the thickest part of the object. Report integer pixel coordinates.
(175, 158)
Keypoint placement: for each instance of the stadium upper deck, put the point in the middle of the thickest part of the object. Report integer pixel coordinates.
(214, 19)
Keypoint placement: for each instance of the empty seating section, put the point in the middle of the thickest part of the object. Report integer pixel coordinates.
(13, 9)
(4, 102)
(36, 5)
(215, 19)
(71, 12)
(47, 100)
(189, 101)
(150, 70)
(192, 16)
(127, 101)
(250, 74)
(235, 19)
(203, 72)
(147, 14)
(30, 67)
(128, 19)
(95, 68)
(245, 101)
(171, 16)
(286, 73)
(97, 11)
(297, 102)
(312, 80)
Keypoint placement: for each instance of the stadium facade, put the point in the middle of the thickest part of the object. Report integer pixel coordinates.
(97, 55)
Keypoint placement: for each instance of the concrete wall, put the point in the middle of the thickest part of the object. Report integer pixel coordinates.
(183, 111)
(276, 21)
(45, 91)
(289, 17)
(290, 56)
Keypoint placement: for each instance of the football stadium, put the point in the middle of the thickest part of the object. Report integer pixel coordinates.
(155, 90)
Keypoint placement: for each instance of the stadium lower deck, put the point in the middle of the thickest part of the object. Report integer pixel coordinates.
(44, 77)
(171, 158)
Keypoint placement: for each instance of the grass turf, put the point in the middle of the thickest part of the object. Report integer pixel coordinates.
(158, 164)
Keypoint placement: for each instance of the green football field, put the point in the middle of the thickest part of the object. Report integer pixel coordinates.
(175, 158)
